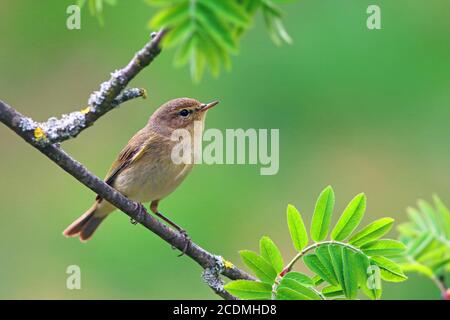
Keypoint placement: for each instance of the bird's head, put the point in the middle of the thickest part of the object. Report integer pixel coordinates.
(181, 113)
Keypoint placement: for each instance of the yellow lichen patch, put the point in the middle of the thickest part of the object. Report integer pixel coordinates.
(39, 133)
(227, 264)
(85, 110)
(144, 93)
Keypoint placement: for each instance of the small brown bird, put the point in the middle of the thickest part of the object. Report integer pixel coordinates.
(144, 170)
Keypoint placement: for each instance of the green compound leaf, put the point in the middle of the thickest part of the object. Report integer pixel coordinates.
(350, 276)
(332, 291)
(444, 214)
(270, 252)
(316, 266)
(336, 261)
(343, 261)
(420, 245)
(262, 269)
(390, 271)
(369, 277)
(323, 254)
(350, 218)
(431, 218)
(229, 10)
(322, 215)
(249, 290)
(170, 16)
(302, 292)
(301, 278)
(185, 50)
(383, 247)
(417, 218)
(296, 228)
(417, 267)
(218, 30)
(373, 231)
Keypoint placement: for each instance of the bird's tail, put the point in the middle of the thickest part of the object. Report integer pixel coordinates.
(86, 225)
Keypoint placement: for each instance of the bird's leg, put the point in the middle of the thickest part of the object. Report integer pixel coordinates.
(187, 239)
(140, 207)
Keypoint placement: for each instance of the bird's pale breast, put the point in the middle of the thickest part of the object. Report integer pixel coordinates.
(153, 176)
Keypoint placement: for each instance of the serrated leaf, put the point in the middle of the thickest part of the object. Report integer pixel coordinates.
(170, 16)
(229, 10)
(314, 264)
(289, 294)
(417, 218)
(323, 254)
(350, 218)
(296, 228)
(438, 265)
(317, 280)
(444, 213)
(417, 267)
(408, 229)
(197, 63)
(300, 278)
(249, 290)
(270, 252)
(430, 217)
(369, 278)
(216, 28)
(336, 260)
(176, 35)
(435, 256)
(262, 269)
(322, 215)
(305, 292)
(271, 8)
(390, 271)
(213, 53)
(420, 245)
(383, 247)
(332, 291)
(185, 50)
(373, 231)
(350, 276)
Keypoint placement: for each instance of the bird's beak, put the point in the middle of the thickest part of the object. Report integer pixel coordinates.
(206, 106)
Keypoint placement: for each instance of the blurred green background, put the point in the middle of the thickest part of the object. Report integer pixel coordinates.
(360, 110)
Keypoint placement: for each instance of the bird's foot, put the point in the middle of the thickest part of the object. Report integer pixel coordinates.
(139, 208)
(187, 241)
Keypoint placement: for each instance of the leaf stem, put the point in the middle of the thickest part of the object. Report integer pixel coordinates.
(291, 264)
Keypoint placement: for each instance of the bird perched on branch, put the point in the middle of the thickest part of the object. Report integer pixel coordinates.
(144, 170)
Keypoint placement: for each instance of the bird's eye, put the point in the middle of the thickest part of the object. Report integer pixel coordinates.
(184, 113)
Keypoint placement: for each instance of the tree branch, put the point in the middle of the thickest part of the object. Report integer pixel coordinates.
(102, 101)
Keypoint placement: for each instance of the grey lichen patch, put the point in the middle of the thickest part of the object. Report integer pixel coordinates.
(54, 129)
(27, 124)
(115, 83)
(65, 128)
(128, 95)
(211, 275)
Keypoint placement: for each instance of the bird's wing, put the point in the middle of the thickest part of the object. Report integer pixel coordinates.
(132, 152)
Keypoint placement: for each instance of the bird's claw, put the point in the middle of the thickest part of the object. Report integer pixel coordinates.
(139, 207)
(187, 241)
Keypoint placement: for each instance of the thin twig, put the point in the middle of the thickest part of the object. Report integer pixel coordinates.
(100, 103)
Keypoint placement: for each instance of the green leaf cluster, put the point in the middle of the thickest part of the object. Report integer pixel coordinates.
(341, 266)
(427, 238)
(205, 33)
